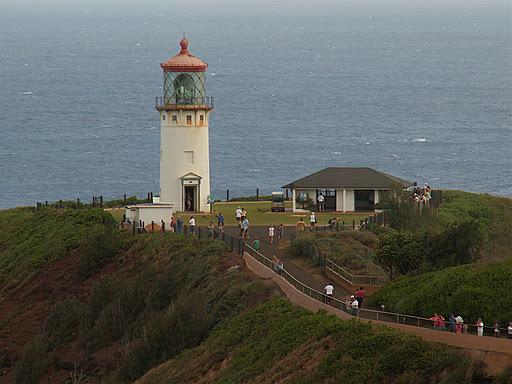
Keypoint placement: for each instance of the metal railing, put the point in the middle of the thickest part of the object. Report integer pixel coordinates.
(206, 101)
(351, 278)
(363, 313)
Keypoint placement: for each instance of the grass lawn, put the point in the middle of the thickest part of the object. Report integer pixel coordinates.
(259, 213)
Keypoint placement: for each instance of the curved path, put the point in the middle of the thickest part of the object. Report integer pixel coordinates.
(495, 354)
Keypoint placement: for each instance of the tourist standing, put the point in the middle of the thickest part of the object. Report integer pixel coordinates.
(301, 226)
(173, 224)
(435, 321)
(179, 225)
(220, 219)
(510, 330)
(321, 202)
(256, 244)
(271, 232)
(497, 328)
(459, 324)
(238, 215)
(312, 221)
(211, 230)
(245, 228)
(479, 327)
(354, 304)
(279, 231)
(360, 294)
(329, 290)
(192, 223)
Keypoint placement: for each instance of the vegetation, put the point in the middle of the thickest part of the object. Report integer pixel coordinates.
(278, 342)
(354, 250)
(31, 238)
(168, 301)
(477, 290)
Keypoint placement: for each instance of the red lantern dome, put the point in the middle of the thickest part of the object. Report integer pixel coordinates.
(184, 61)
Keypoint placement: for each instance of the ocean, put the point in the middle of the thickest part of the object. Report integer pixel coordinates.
(421, 92)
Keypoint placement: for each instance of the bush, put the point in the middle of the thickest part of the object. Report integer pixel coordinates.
(34, 361)
(305, 247)
(63, 322)
(472, 290)
(99, 247)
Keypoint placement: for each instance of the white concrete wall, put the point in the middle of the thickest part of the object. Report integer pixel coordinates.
(349, 202)
(339, 199)
(175, 139)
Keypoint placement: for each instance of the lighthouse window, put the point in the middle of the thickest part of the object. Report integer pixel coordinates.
(175, 119)
(189, 119)
(201, 120)
(189, 157)
(163, 117)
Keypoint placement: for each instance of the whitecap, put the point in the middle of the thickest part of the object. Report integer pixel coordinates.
(420, 140)
(212, 74)
(395, 156)
(367, 143)
(25, 93)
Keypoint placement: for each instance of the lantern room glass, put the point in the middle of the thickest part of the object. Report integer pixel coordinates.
(184, 88)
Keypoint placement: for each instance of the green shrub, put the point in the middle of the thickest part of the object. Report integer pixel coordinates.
(34, 361)
(63, 322)
(472, 290)
(305, 247)
(99, 247)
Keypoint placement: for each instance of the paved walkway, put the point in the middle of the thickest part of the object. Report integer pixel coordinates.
(496, 354)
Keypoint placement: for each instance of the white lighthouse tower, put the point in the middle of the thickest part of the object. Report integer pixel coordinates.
(184, 149)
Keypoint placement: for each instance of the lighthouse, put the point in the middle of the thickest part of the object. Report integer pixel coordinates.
(184, 146)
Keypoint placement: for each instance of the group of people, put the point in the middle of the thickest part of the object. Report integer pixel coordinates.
(455, 323)
(354, 303)
(422, 196)
(177, 224)
(243, 222)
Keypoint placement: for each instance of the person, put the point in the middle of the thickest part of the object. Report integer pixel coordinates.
(329, 290)
(244, 214)
(451, 323)
(312, 221)
(301, 226)
(435, 321)
(173, 224)
(271, 232)
(497, 328)
(220, 232)
(179, 225)
(220, 219)
(211, 230)
(441, 322)
(332, 223)
(354, 304)
(360, 294)
(277, 265)
(245, 228)
(238, 215)
(459, 324)
(479, 327)
(256, 244)
(321, 202)
(279, 231)
(192, 223)
(509, 329)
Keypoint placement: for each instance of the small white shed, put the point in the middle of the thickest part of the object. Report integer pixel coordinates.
(143, 214)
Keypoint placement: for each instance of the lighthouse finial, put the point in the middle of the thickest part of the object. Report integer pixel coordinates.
(184, 44)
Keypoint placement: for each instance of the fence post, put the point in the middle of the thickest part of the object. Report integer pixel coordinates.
(286, 191)
(133, 227)
(124, 198)
(257, 194)
(353, 224)
(101, 201)
(163, 226)
(78, 202)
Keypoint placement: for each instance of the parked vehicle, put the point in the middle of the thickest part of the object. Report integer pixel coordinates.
(277, 202)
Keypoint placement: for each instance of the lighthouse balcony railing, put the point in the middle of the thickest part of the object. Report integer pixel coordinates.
(206, 101)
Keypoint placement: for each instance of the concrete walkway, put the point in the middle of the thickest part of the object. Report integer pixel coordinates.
(494, 353)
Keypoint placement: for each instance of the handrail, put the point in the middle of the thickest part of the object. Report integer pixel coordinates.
(368, 314)
(351, 278)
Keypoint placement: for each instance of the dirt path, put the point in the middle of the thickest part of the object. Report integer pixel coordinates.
(495, 354)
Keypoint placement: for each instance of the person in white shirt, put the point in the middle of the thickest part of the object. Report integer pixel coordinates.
(479, 327)
(192, 223)
(238, 214)
(510, 330)
(312, 221)
(321, 200)
(329, 290)
(271, 231)
(354, 304)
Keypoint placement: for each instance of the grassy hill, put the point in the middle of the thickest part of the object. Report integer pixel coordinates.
(277, 342)
(82, 300)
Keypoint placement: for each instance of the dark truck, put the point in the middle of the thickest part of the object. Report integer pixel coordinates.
(277, 202)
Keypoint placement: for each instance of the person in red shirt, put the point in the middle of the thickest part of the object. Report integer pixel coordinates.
(360, 293)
